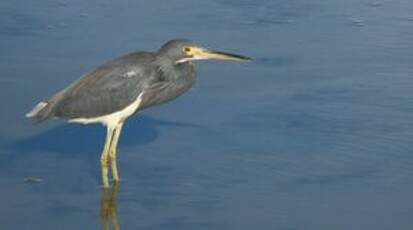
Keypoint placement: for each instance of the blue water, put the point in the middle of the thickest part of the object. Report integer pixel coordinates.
(316, 133)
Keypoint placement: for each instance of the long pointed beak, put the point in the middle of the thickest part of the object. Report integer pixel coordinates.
(219, 55)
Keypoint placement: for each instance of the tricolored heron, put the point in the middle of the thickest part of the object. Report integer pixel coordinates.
(120, 88)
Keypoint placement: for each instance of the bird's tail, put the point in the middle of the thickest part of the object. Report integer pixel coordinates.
(42, 111)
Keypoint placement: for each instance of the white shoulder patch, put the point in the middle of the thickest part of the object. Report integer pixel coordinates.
(130, 73)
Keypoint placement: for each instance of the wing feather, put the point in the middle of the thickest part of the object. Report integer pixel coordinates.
(107, 89)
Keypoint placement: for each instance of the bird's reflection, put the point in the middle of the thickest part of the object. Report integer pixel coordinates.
(108, 211)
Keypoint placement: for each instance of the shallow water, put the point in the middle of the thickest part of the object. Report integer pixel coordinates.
(315, 134)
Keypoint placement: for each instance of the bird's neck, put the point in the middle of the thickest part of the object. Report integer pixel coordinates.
(177, 71)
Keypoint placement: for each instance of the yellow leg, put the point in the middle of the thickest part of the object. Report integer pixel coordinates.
(113, 152)
(104, 158)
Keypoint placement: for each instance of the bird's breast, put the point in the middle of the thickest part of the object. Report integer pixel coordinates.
(183, 79)
(174, 82)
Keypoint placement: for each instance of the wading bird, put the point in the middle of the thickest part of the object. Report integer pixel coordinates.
(120, 88)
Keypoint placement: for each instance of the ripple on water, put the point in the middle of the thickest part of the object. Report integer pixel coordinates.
(275, 61)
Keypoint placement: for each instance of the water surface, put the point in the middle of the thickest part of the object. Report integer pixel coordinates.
(315, 134)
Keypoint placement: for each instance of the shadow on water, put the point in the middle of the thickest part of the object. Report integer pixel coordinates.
(78, 140)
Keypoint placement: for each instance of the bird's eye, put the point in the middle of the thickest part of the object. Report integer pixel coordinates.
(187, 49)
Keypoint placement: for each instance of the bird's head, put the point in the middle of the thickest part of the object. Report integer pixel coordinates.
(181, 51)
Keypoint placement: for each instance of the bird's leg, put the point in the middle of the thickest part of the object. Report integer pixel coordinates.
(104, 158)
(113, 152)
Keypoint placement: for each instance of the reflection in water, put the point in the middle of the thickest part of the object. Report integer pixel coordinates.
(108, 212)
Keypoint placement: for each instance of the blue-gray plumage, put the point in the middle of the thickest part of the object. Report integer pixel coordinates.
(114, 91)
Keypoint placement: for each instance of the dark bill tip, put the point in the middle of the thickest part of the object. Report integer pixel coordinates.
(229, 56)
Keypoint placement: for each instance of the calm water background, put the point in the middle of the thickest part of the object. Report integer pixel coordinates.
(315, 134)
